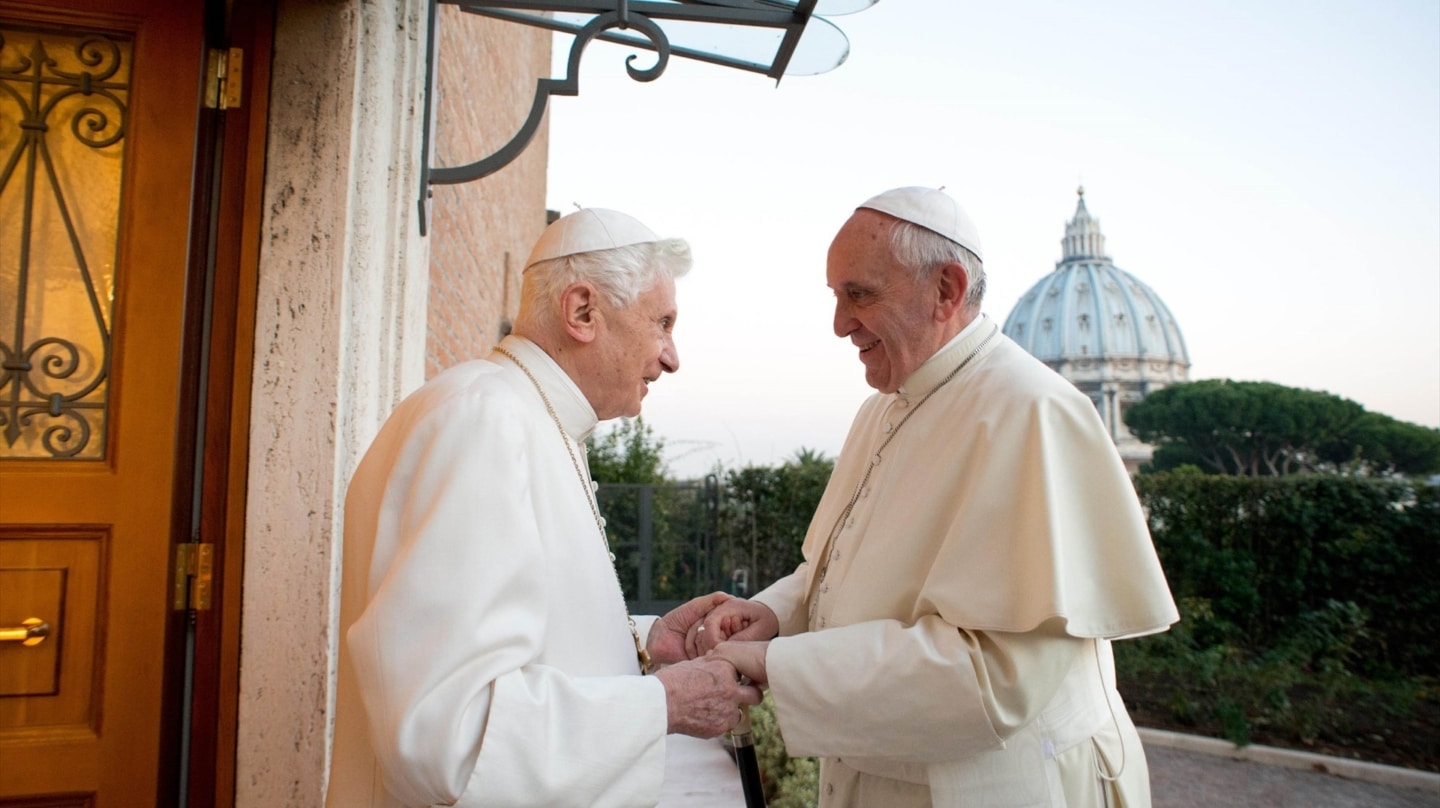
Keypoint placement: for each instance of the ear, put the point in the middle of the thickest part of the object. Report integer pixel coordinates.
(578, 314)
(951, 284)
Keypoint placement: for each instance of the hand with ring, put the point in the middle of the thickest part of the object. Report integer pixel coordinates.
(733, 619)
(695, 639)
(672, 637)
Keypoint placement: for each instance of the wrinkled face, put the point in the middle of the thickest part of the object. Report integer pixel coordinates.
(879, 306)
(636, 345)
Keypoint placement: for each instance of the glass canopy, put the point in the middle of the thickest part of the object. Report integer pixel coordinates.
(772, 37)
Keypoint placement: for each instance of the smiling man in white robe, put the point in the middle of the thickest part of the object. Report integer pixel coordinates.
(486, 654)
(947, 639)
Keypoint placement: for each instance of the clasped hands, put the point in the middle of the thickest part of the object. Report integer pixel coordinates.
(712, 653)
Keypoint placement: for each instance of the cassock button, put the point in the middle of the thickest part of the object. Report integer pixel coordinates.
(594, 486)
(876, 461)
(889, 427)
(612, 558)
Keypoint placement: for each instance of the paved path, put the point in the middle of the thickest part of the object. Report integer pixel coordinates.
(1184, 778)
(1185, 772)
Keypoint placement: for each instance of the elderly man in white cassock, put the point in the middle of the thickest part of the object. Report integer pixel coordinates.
(947, 639)
(486, 654)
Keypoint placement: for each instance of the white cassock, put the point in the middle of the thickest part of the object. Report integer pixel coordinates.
(958, 648)
(485, 654)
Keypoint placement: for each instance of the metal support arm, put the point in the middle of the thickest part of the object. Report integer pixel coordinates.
(614, 21)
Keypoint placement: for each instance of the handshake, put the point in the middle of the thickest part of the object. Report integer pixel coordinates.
(712, 656)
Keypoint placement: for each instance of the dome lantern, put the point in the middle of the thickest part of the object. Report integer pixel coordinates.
(1101, 328)
(1083, 238)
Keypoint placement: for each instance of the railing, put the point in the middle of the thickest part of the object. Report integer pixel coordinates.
(664, 540)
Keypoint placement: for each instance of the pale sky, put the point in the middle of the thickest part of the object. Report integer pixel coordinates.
(1271, 169)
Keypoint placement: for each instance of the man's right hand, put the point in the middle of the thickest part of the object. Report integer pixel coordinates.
(734, 619)
(703, 696)
(672, 636)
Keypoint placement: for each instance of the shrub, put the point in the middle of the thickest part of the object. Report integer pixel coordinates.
(1274, 556)
(789, 782)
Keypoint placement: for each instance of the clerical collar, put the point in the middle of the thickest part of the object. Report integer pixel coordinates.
(570, 404)
(932, 370)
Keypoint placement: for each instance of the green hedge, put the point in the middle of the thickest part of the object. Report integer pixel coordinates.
(764, 513)
(1295, 561)
(1309, 604)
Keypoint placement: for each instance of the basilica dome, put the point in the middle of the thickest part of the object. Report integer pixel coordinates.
(1101, 328)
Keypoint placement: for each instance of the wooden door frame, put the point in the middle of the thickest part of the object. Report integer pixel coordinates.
(214, 390)
(216, 374)
(171, 33)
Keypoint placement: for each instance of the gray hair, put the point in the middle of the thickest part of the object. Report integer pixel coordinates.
(923, 251)
(620, 274)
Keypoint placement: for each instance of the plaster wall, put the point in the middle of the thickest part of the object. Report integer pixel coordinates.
(340, 330)
(349, 296)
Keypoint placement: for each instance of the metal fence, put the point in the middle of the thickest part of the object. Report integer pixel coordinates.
(665, 541)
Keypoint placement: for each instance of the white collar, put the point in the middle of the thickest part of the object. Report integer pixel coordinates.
(932, 370)
(571, 406)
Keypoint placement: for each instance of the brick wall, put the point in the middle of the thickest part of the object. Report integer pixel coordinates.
(482, 231)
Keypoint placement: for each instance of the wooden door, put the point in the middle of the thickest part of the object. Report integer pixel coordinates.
(99, 102)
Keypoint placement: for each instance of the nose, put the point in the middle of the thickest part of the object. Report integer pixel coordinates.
(669, 355)
(844, 324)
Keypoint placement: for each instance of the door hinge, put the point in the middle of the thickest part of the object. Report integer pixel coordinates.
(223, 83)
(194, 575)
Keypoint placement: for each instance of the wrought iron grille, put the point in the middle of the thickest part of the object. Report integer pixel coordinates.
(664, 540)
(64, 104)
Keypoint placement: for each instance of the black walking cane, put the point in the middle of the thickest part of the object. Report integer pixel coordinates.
(744, 739)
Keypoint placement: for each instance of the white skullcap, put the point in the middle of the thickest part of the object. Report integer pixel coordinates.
(933, 210)
(588, 230)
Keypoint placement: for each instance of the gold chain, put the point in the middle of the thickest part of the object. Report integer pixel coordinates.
(640, 653)
(812, 597)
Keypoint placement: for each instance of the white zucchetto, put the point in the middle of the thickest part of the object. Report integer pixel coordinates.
(588, 230)
(931, 209)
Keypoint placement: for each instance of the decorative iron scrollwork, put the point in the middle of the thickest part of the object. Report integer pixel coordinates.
(634, 22)
(570, 86)
(54, 387)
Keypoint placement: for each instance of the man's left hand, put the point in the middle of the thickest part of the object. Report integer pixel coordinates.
(747, 657)
(666, 642)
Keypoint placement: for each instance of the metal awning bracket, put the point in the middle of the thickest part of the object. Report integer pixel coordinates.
(637, 23)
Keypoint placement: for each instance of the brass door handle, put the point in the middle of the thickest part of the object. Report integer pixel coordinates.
(31, 631)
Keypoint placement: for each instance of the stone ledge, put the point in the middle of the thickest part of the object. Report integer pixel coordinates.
(699, 774)
(1293, 759)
